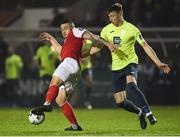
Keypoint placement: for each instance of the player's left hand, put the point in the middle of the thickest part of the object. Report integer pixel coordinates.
(164, 67)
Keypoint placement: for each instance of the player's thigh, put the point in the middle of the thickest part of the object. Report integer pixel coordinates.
(62, 96)
(67, 88)
(118, 86)
(66, 69)
(71, 83)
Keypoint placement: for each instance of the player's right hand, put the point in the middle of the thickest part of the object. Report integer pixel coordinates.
(112, 47)
(45, 36)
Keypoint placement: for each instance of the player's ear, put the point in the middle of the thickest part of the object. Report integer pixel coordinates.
(121, 13)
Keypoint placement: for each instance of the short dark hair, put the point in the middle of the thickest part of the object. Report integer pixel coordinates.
(115, 7)
(65, 19)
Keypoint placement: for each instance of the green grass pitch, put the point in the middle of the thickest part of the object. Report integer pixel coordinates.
(95, 122)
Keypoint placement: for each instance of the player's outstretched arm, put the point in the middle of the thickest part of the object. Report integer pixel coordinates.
(150, 52)
(47, 37)
(96, 47)
(91, 51)
(91, 36)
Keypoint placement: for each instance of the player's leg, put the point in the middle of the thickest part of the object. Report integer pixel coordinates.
(68, 67)
(53, 89)
(61, 100)
(50, 96)
(139, 98)
(88, 79)
(118, 87)
(121, 101)
(67, 109)
(119, 83)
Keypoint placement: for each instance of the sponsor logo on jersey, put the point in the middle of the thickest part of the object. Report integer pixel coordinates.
(117, 40)
(111, 31)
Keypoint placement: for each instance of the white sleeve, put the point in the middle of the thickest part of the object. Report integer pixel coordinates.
(78, 32)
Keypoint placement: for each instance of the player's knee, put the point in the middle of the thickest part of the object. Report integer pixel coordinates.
(60, 103)
(131, 87)
(119, 101)
(55, 81)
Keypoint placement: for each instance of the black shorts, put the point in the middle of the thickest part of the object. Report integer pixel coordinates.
(86, 72)
(119, 77)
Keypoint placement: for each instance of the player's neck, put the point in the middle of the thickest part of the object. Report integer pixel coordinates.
(120, 23)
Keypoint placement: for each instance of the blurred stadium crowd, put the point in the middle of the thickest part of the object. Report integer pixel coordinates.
(146, 13)
(26, 88)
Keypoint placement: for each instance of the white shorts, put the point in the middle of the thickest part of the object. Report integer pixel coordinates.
(69, 72)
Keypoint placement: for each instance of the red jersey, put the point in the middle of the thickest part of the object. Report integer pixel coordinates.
(72, 46)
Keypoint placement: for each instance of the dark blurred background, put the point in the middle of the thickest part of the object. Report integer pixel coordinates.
(21, 21)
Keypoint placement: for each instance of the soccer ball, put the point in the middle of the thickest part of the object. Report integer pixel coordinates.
(36, 119)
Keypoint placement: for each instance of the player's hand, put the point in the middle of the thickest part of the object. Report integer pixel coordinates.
(46, 36)
(164, 67)
(112, 47)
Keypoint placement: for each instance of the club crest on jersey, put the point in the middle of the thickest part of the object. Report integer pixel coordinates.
(81, 29)
(140, 36)
(117, 40)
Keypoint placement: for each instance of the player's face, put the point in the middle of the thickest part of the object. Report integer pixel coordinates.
(115, 17)
(65, 29)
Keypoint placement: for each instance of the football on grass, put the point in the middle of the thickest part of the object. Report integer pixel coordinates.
(36, 119)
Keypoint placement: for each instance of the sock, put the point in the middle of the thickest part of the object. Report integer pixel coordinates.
(146, 110)
(129, 106)
(52, 93)
(138, 97)
(68, 113)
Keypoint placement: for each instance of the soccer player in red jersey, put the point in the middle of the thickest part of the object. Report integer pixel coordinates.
(67, 73)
